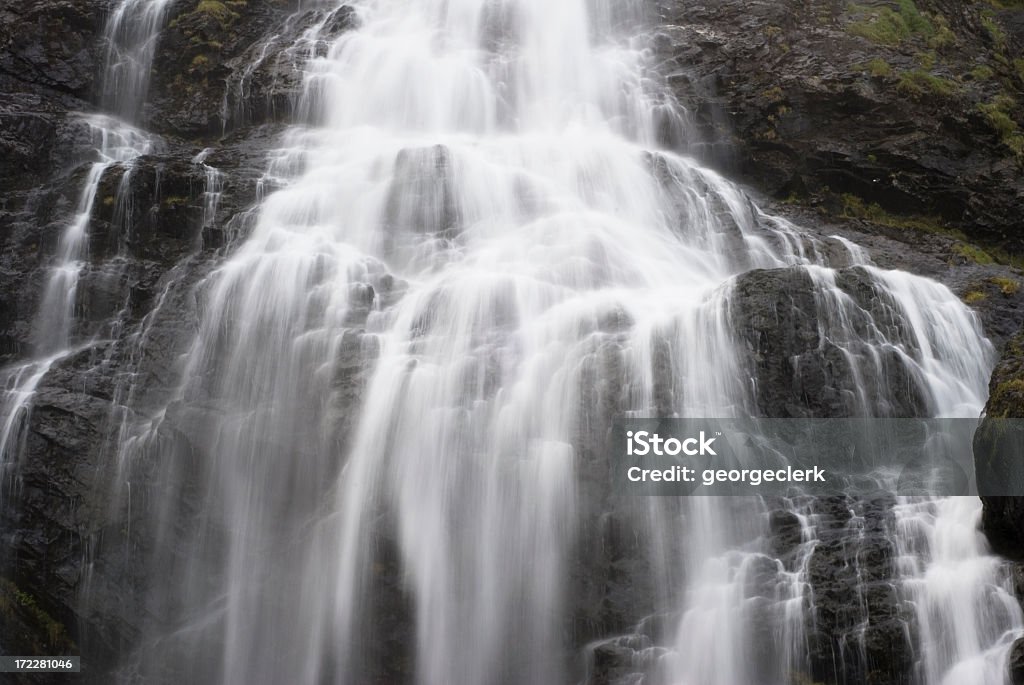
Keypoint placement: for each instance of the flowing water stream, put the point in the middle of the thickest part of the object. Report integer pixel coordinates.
(130, 36)
(391, 415)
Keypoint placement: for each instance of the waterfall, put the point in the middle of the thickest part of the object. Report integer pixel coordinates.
(964, 600)
(131, 35)
(401, 378)
(384, 458)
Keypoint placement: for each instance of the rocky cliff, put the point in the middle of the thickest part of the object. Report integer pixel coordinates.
(1003, 517)
(905, 113)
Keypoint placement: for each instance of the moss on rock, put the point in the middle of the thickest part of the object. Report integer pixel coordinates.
(918, 83)
(886, 26)
(28, 627)
(1006, 391)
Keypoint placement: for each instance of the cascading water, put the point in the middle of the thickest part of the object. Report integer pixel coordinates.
(131, 35)
(963, 598)
(384, 454)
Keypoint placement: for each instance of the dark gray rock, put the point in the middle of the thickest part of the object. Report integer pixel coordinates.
(49, 54)
(621, 661)
(995, 291)
(860, 630)
(786, 533)
(234, 66)
(1016, 663)
(797, 370)
(784, 96)
(49, 48)
(1002, 517)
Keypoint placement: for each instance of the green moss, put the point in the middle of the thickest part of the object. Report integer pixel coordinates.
(995, 32)
(108, 200)
(1003, 257)
(1007, 286)
(973, 253)
(1016, 144)
(200, 61)
(1016, 346)
(175, 201)
(943, 38)
(885, 30)
(1007, 399)
(885, 26)
(216, 9)
(998, 112)
(926, 59)
(918, 83)
(915, 20)
(975, 296)
(47, 634)
(856, 208)
(879, 68)
(982, 73)
(999, 120)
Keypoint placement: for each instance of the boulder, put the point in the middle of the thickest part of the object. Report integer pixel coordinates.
(802, 360)
(1002, 517)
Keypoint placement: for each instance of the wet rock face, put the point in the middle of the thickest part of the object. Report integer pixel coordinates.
(49, 54)
(1003, 517)
(49, 47)
(801, 363)
(150, 209)
(228, 65)
(859, 630)
(151, 241)
(49, 57)
(1016, 663)
(814, 101)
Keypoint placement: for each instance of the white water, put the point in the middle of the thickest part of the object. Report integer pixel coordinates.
(53, 336)
(479, 218)
(963, 597)
(401, 378)
(117, 143)
(131, 34)
(214, 188)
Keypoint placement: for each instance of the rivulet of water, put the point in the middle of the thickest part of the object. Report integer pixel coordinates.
(131, 34)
